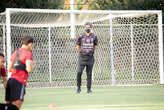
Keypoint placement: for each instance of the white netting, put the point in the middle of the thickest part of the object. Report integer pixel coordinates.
(130, 55)
(2, 50)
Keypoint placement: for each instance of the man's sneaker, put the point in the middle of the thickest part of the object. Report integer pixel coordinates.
(89, 91)
(78, 90)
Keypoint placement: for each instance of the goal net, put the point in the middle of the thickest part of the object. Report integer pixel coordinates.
(129, 51)
(2, 50)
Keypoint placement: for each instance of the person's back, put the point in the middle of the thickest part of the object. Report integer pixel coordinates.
(19, 71)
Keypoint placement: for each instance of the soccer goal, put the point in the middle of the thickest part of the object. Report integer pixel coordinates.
(129, 52)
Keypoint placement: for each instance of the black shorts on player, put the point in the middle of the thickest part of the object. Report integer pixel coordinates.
(14, 90)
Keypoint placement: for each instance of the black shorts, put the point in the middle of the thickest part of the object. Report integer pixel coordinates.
(86, 60)
(14, 90)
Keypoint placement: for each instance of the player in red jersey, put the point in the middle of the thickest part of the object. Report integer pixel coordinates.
(20, 65)
(3, 70)
(3, 74)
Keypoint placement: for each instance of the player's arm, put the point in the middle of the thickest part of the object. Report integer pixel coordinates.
(95, 42)
(78, 47)
(4, 76)
(29, 65)
(12, 60)
(10, 68)
(95, 46)
(4, 81)
(78, 43)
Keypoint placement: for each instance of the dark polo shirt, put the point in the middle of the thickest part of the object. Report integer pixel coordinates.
(87, 43)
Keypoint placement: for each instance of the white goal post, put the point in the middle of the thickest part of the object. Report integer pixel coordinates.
(130, 49)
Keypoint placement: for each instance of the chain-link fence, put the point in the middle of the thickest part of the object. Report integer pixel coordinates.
(127, 52)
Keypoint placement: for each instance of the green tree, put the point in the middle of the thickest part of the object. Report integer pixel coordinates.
(79, 4)
(127, 5)
(4, 4)
(107, 4)
(37, 4)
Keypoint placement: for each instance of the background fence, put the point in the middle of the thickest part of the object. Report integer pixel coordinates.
(127, 53)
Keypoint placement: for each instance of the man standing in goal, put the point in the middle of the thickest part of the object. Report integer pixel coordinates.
(20, 65)
(86, 44)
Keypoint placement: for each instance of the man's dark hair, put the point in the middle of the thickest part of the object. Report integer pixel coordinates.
(89, 23)
(26, 40)
(1, 54)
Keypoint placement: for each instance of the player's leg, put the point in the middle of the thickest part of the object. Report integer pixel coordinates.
(18, 103)
(79, 74)
(8, 107)
(89, 69)
(81, 65)
(8, 91)
(17, 92)
(89, 77)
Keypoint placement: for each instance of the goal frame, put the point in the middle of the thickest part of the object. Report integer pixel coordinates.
(72, 17)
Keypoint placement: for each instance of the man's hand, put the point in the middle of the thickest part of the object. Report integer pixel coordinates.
(78, 47)
(94, 46)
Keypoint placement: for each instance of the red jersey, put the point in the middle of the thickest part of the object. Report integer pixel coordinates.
(20, 75)
(3, 71)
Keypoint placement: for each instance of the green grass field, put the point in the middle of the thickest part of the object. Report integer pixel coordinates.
(102, 98)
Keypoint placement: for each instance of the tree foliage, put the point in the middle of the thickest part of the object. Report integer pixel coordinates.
(104, 4)
(126, 4)
(93, 4)
(36, 4)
